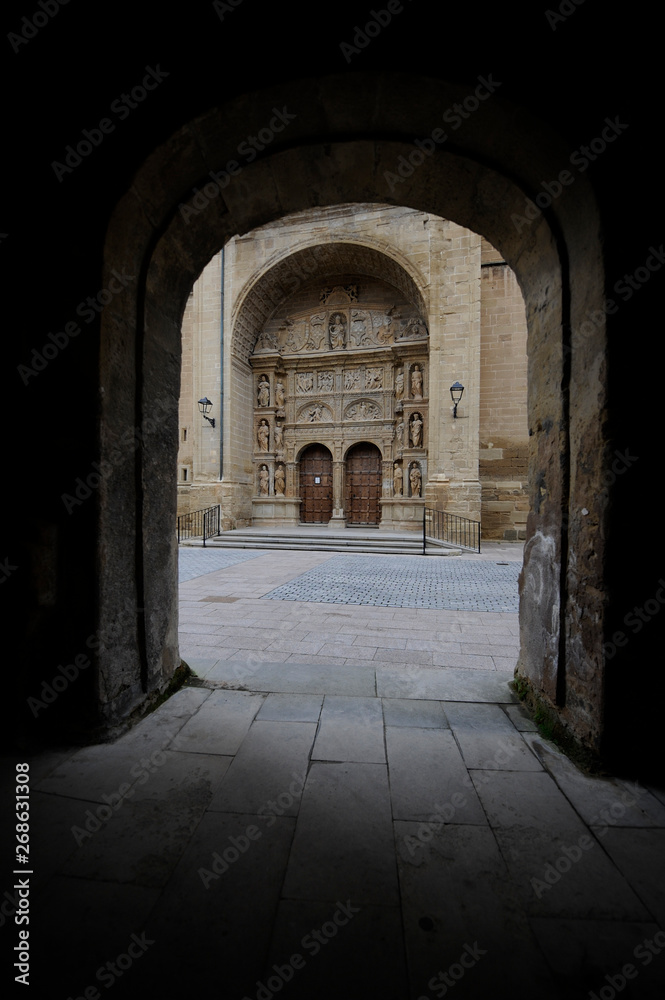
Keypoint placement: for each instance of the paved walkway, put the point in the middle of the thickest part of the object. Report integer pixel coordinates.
(348, 804)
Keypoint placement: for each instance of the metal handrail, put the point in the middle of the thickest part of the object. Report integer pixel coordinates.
(452, 528)
(205, 522)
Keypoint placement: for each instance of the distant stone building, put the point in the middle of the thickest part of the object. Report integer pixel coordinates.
(328, 342)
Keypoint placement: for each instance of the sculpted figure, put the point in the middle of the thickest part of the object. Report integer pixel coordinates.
(416, 430)
(279, 437)
(400, 433)
(399, 385)
(416, 481)
(417, 383)
(279, 481)
(279, 394)
(264, 481)
(337, 330)
(398, 480)
(264, 391)
(263, 436)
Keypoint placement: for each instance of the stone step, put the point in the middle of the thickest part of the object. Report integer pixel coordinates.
(324, 542)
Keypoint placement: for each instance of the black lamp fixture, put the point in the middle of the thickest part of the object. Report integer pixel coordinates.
(456, 391)
(204, 406)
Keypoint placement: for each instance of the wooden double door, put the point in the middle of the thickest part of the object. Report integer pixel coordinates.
(316, 485)
(363, 484)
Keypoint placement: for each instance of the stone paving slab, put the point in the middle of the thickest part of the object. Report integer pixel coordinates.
(329, 936)
(416, 714)
(351, 729)
(268, 772)
(428, 778)
(193, 563)
(344, 836)
(444, 685)
(457, 900)
(488, 739)
(304, 678)
(589, 954)
(220, 725)
(217, 911)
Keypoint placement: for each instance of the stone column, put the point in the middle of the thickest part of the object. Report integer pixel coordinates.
(338, 519)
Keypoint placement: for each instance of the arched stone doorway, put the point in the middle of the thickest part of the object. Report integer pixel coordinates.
(316, 485)
(363, 485)
(161, 233)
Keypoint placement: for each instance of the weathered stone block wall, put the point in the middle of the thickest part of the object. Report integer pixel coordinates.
(503, 435)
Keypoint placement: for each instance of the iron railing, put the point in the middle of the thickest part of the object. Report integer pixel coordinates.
(452, 528)
(205, 522)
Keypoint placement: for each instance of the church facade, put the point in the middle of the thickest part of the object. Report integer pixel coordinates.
(327, 344)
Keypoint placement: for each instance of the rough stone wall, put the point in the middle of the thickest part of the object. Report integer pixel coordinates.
(504, 435)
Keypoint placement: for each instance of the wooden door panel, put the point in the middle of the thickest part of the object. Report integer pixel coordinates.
(316, 497)
(363, 484)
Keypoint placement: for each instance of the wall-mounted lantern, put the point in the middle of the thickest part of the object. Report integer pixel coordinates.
(456, 391)
(204, 406)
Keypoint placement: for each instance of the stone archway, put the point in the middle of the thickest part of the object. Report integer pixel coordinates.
(165, 237)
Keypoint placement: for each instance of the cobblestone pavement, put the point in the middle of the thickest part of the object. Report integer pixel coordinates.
(407, 582)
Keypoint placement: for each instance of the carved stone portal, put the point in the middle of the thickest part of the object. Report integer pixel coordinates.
(343, 366)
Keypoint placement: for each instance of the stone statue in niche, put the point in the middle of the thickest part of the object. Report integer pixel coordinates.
(416, 430)
(279, 437)
(417, 382)
(399, 385)
(279, 394)
(263, 436)
(399, 430)
(398, 480)
(337, 331)
(264, 391)
(416, 480)
(280, 481)
(264, 481)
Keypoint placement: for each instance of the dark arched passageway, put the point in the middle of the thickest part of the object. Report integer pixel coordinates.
(105, 569)
(482, 186)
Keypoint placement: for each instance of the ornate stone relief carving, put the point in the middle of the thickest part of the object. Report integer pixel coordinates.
(326, 381)
(352, 379)
(314, 413)
(304, 382)
(264, 481)
(374, 378)
(364, 409)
